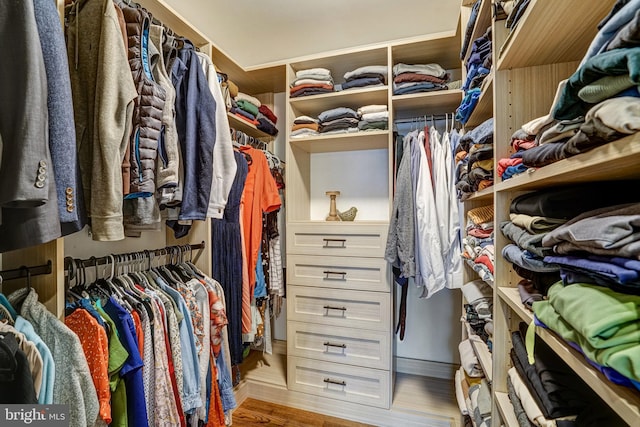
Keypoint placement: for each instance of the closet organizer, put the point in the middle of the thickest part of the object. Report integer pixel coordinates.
(530, 58)
(17, 265)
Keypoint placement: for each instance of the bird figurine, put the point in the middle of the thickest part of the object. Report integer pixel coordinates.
(348, 215)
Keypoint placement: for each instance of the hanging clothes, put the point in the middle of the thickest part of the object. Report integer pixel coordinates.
(227, 258)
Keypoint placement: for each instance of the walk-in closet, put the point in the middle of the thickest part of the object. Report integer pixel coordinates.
(332, 213)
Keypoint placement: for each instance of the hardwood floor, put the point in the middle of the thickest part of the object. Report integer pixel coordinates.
(254, 412)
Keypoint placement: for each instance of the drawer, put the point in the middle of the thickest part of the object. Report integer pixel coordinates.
(347, 383)
(363, 240)
(358, 347)
(365, 274)
(337, 307)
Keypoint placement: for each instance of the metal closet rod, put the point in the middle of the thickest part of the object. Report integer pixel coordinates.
(95, 261)
(26, 271)
(424, 117)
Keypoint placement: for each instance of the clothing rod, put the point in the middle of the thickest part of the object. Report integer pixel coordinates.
(95, 261)
(26, 271)
(425, 117)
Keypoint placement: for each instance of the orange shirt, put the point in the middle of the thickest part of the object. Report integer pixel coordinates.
(95, 345)
(260, 195)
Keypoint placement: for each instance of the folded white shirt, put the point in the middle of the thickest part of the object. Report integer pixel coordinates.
(376, 117)
(248, 98)
(373, 108)
(305, 73)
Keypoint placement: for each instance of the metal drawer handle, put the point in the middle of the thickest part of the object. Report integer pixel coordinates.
(328, 307)
(328, 344)
(336, 382)
(343, 243)
(327, 273)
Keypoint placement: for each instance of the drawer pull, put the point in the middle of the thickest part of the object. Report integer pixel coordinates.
(335, 273)
(336, 382)
(328, 307)
(328, 344)
(342, 242)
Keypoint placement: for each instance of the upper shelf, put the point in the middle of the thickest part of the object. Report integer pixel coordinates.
(248, 128)
(341, 62)
(440, 48)
(552, 31)
(417, 104)
(624, 401)
(363, 140)
(613, 161)
(353, 98)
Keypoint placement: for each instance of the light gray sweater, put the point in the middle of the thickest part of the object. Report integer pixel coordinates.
(73, 385)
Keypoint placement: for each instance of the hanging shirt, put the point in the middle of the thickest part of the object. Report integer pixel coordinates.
(31, 353)
(132, 369)
(117, 357)
(260, 196)
(48, 365)
(191, 386)
(430, 250)
(95, 345)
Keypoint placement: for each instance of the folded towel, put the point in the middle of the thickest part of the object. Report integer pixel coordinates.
(302, 133)
(337, 113)
(266, 125)
(312, 126)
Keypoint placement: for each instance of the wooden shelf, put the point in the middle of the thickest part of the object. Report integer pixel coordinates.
(362, 140)
(417, 104)
(506, 409)
(484, 357)
(483, 21)
(340, 62)
(622, 400)
(484, 108)
(482, 195)
(552, 31)
(613, 161)
(352, 98)
(248, 128)
(441, 48)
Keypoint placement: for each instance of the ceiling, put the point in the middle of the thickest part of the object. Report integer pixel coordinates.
(262, 33)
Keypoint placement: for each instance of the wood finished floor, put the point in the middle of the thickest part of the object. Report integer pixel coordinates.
(254, 412)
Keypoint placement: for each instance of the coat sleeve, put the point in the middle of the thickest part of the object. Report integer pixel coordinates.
(25, 174)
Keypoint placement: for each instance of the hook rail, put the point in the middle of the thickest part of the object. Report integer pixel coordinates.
(26, 271)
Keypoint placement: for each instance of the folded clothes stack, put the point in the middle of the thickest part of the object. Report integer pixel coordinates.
(338, 120)
(246, 107)
(478, 68)
(311, 81)
(370, 75)
(414, 78)
(373, 117)
(267, 120)
(478, 247)
(304, 126)
(474, 156)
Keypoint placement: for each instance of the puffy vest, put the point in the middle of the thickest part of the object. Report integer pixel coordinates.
(147, 114)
